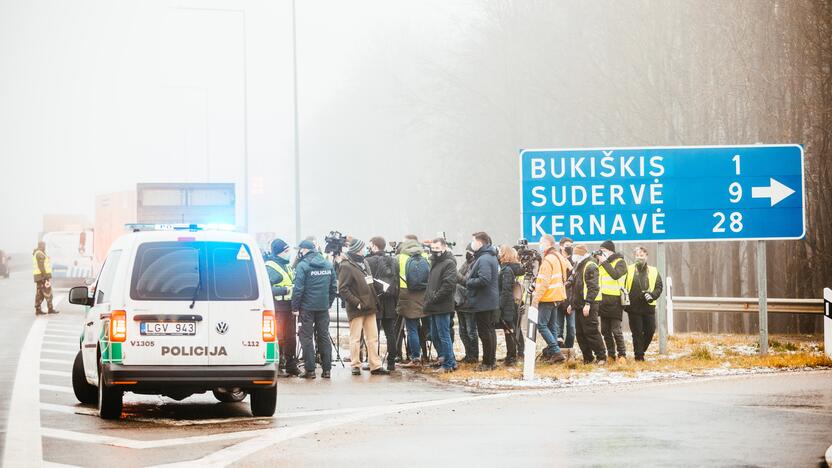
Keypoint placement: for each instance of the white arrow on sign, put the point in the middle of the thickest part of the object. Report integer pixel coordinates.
(776, 191)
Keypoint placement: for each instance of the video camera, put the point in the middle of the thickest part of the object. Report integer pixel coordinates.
(530, 258)
(335, 242)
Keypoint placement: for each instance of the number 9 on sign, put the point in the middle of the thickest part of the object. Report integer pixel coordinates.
(734, 222)
(735, 190)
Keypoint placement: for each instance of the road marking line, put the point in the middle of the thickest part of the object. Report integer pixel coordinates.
(145, 444)
(58, 351)
(55, 372)
(56, 361)
(58, 465)
(237, 452)
(23, 437)
(73, 344)
(62, 335)
(57, 388)
(68, 409)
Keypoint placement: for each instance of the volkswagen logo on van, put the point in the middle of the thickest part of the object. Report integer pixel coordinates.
(222, 328)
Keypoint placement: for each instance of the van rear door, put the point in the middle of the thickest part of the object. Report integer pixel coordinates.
(168, 319)
(236, 305)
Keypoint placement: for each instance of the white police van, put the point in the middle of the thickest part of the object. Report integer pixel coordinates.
(177, 311)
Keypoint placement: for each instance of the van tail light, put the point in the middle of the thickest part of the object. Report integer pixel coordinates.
(118, 326)
(269, 326)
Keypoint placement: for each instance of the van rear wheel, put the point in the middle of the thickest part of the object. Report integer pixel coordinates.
(264, 401)
(109, 399)
(84, 392)
(229, 396)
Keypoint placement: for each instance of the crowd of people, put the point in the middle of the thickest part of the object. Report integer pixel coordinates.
(418, 294)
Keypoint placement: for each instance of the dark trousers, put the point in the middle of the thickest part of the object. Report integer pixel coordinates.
(643, 328)
(589, 338)
(287, 342)
(613, 337)
(488, 336)
(41, 293)
(515, 343)
(314, 326)
(388, 326)
(468, 334)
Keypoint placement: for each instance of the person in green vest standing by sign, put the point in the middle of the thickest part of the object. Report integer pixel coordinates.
(645, 286)
(282, 277)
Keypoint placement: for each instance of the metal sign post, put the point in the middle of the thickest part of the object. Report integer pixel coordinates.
(661, 313)
(762, 290)
(827, 321)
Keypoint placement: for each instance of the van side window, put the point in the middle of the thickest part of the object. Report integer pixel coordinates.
(103, 288)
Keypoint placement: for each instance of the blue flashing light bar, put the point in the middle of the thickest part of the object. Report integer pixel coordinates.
(137, 227)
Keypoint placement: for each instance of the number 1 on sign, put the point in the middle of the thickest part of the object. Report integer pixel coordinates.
(736, 160)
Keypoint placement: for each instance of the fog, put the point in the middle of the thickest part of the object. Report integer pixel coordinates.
(411, 114)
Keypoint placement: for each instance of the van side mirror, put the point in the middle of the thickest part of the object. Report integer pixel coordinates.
(80, 296)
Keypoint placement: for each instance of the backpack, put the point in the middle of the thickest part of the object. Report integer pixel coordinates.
(416, 273)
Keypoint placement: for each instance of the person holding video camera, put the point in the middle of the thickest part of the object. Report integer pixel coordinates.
(312, 296)
(355, 285)
(585, 299)
(549, 291)
(613, 272)
(645, 286)
(386, 283)
(484, 296)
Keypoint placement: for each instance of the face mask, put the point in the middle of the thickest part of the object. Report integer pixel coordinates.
(436, 254)
(568, 250)
(476, 246)
(641, 262)
(285, 255)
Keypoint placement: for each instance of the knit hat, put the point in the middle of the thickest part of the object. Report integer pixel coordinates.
(279, 246)
(609, 245)
(579, 249)
(356, 247)
(306, 244)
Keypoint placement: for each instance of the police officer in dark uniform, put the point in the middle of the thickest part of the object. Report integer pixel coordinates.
(282, 278)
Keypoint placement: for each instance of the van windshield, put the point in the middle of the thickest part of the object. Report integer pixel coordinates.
(170, 271)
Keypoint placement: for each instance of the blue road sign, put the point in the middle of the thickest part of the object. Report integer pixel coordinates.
(664, 193)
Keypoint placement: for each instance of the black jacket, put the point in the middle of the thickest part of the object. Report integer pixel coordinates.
(381, 266)
(593, 286)
(638, 305)
(439, 295)
(508, 277)
(483, 281)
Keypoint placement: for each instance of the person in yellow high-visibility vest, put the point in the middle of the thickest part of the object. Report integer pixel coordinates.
(42, 273)
(612, 274)
(584, 300)
(645, 286)
(282, 278)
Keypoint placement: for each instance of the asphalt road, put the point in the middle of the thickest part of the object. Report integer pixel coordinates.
(771, 420)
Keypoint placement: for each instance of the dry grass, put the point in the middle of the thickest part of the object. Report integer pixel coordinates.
(689, 353)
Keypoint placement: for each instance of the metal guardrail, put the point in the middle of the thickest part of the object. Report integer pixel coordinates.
(746, 305)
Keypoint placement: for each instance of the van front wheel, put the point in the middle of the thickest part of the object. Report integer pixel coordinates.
(84, 392)
(263, 401)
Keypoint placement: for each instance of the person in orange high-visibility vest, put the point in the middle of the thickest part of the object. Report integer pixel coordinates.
(549, 291)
